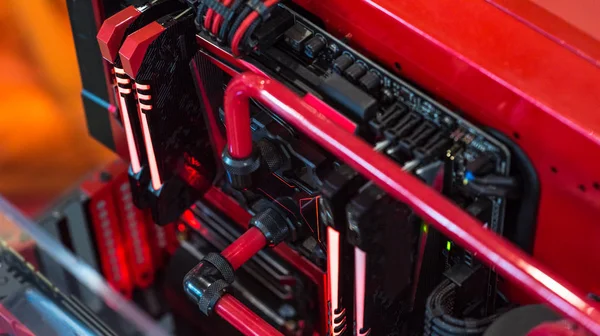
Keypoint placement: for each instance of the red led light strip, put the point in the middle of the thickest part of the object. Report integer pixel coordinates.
(131, 144)
(154, 173)
(360, 282)
(333, 270)
(452, 221)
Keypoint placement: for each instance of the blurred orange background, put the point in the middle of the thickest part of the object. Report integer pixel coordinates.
(44, 145)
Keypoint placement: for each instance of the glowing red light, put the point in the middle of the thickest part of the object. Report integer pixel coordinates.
(333, 269)
(154, 174)
(360, 275)
(191, 220)
(132, 146)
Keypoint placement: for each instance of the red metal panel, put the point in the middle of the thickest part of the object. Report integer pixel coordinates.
(505, 74)
(583, 16)
(554, 27)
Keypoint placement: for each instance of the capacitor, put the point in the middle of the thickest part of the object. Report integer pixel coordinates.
(387, 96)
(354, 72)
(370, 81)
(314, 46)
(342, 63)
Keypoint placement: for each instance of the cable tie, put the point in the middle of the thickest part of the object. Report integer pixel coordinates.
(259, 7)
(218, 8)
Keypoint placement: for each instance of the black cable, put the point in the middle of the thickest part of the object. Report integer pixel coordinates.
(236, 24)
(240, 18)
(200, 12)
(495, 180)
(439, 320)
(246, 41)
(522, 232)
(489, 190)
(227, 21)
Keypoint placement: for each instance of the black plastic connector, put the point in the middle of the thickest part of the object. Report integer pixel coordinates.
(205, 293)
(403, 127)
(222, 265)
(269, 32)
(346, 95)
(240, 171)
(388, 118)
(273, 224)
(417, 137)
(271, 155)
(338, 189)
(471, 283)
(480, 209)
(207, 282)
(170, 201)
(484, 164)
(139, 183)
(434, 147)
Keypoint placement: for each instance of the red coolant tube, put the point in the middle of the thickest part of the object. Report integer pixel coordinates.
(242, 318)
(239, 135)
(452, 221)
(244, 248)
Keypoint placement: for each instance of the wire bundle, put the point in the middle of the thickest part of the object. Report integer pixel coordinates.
(439, 319)
(232, 22)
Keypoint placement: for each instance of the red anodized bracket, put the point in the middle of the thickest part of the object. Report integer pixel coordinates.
(135, 46)
(452, 221)
(112, 31)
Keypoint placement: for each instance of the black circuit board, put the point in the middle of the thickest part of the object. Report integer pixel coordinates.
(303, 74)
(468, 142)
(288, 62)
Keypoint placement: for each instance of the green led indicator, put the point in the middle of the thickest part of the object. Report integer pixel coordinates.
(424, 228)
(448, 245)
